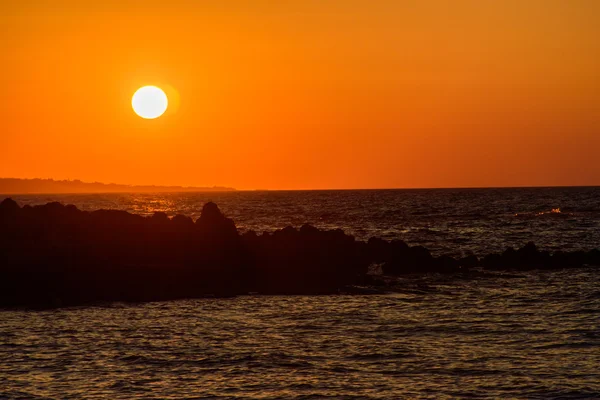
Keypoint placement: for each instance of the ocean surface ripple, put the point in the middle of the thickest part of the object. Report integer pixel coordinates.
(533, 335)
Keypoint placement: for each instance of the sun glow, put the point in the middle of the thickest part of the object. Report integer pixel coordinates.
(149, 102)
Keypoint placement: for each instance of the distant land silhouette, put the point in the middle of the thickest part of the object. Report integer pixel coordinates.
(39, 186)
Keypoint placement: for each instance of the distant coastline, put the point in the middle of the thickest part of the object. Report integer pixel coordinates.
(47, 186)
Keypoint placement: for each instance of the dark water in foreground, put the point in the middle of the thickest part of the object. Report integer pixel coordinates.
(533, 335)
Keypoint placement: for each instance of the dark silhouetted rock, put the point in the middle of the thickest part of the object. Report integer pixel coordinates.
(9, 206)
(446, 265)
(593, 257)
(214, 222)
(494, 261)
(469, 261)
(379, 250)
(307, 260)
(55, 255)
(181, 222)
(408, 260)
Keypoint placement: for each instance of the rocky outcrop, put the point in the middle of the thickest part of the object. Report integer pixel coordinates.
(54, 255)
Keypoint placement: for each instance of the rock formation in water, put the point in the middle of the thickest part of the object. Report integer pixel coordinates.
(54, 255)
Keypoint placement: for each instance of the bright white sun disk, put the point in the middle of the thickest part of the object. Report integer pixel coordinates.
(149, 102)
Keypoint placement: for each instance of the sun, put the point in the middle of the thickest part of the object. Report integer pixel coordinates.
(149, 102)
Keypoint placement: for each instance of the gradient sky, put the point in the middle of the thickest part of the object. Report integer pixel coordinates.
(303, 94)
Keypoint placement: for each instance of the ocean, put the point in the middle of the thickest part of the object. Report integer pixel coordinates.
(486, 335)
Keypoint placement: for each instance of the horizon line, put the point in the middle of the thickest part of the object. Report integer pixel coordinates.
(424, 188)
(232, 189)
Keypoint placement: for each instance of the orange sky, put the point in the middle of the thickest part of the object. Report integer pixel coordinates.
(303, 94)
